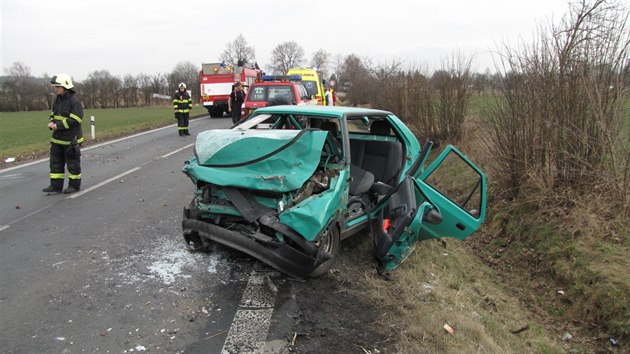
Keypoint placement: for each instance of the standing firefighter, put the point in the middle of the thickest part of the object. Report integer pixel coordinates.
(65, 144)
(182, 104)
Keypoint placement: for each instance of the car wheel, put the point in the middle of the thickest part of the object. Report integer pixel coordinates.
(330, 244)
(194, 242)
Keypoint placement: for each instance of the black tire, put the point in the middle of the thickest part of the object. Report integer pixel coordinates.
(215, 112)
(330, 244)
(193, 241)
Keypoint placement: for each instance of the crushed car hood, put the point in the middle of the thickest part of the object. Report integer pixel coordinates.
(276, 160)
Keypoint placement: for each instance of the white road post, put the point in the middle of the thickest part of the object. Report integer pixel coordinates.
(92, 127)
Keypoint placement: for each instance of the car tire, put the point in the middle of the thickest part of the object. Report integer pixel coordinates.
(332, 245)
(193, 241)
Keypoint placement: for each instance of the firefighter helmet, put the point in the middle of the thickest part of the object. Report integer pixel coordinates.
(63, 80)
(181, 84)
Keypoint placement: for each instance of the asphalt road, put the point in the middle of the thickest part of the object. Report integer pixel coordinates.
(106, 270)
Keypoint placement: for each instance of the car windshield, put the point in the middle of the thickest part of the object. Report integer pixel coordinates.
(268, 93)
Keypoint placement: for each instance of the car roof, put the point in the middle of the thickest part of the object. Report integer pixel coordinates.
(323, 110)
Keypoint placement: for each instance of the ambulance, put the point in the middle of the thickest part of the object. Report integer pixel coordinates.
(312, 82)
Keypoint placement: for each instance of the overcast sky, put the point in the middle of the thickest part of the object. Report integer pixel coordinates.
(132, 37)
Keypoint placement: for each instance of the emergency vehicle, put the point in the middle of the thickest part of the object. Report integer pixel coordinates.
(275, 90)
(312, 82)
(216, 84)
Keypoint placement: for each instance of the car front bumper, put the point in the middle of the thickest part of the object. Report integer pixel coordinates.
(280, 256)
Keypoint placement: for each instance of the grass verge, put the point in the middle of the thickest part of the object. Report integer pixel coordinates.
(567, 264)
(444, 283)
(24, 134)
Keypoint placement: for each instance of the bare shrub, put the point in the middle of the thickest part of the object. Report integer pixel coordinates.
(560, 110)
(433, 107)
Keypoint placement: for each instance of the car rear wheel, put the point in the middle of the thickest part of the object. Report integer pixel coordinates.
(329, 244)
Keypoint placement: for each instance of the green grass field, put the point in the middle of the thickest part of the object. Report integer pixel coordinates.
(25, 134)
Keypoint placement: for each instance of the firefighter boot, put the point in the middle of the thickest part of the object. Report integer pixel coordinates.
(56, 185)
(73, 187)
(51, 190)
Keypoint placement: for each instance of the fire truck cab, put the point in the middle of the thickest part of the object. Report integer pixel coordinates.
(217, 80)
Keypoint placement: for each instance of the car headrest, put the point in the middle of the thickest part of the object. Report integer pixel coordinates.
(380, 127)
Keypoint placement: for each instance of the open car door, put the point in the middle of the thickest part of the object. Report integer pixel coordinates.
(448, 199)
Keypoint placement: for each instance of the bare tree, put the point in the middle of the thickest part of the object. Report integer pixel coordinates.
(144, 83)
(285, 56)
(355, 73)
(130, 90)
(187, 73)
(18, 85)
(321, 60)
(238, 52)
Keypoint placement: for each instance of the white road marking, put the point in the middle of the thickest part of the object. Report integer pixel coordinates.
(176, 151)
(78, 194)
(4, 227)
(249, 328)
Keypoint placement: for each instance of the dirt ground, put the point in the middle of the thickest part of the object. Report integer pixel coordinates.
(334, 314)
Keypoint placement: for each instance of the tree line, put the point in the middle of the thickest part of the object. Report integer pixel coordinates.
(21, 91)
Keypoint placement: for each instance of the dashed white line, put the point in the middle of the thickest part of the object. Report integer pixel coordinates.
(4, 227)
(176, 151)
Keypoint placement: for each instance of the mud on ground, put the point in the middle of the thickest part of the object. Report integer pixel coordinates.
(334, 314)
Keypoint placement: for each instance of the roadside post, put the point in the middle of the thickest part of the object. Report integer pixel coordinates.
(92, 127)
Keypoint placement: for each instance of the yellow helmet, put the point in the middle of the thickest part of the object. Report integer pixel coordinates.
(63, 80)
(181, 84)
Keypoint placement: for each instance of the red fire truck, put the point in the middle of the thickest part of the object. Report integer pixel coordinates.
(216, 84)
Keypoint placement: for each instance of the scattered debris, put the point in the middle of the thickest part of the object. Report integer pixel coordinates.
(140, 348)
(522, 329)
(449, 329)
(217, 334)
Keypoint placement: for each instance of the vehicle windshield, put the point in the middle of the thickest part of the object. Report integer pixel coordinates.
(311, 87)
(268, 93)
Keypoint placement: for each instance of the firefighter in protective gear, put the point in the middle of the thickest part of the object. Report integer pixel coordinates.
(65, 144)
(182, 104)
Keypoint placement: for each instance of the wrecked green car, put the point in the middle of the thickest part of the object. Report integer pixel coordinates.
(289, 183)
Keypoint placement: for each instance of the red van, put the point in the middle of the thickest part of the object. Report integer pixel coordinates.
(275, 90)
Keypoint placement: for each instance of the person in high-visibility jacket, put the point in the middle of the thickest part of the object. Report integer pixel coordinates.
(182, 104)
(65, 144)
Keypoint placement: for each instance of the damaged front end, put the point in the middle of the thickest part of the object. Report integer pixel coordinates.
(273, 194)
